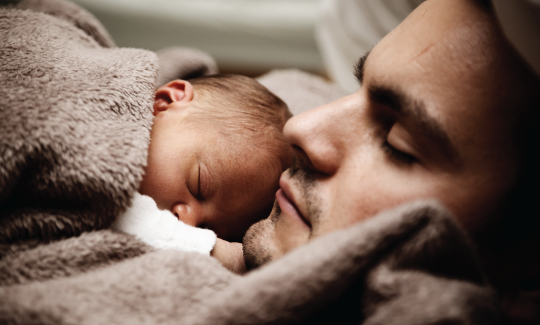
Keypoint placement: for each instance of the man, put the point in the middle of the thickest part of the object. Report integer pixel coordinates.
(442, 113)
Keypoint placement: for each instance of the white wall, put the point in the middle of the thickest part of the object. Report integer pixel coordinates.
(255, 35)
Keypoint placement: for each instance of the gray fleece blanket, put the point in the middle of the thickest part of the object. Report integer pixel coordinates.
(75, 115)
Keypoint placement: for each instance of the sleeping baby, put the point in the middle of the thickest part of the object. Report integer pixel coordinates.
(214, 161)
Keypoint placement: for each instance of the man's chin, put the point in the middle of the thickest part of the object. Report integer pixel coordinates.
(259, 242)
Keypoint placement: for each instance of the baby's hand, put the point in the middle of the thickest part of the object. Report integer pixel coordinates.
(230, 255)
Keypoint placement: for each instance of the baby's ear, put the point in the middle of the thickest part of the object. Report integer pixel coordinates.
(175, 91)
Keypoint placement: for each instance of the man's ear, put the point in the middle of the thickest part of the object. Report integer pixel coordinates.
(180, 91)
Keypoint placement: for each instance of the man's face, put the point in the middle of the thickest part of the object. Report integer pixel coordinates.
(428, 122)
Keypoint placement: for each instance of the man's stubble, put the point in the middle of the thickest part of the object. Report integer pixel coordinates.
(259, 244)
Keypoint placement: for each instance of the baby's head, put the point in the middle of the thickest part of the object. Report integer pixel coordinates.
(217, 152)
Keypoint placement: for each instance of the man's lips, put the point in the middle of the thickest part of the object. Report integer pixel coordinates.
(287, 204)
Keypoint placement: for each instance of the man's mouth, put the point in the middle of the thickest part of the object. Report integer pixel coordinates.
(287, 204)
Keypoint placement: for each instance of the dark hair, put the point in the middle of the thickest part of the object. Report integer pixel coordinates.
(241, 106)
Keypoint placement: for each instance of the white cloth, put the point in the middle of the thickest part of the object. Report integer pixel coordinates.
(161, 229)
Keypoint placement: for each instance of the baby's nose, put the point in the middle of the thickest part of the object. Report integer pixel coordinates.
(189, 214)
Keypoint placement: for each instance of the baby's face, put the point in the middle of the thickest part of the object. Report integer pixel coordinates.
(205, 179)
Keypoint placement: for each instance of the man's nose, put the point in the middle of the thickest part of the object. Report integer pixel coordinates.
(318, 136)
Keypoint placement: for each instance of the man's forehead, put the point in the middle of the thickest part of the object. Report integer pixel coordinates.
(453, 45)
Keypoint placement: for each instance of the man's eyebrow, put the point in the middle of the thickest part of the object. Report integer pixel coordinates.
(359, 67)
(406, 106)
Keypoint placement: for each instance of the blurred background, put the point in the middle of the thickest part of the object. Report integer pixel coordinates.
(251, 37)
(244, 36)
